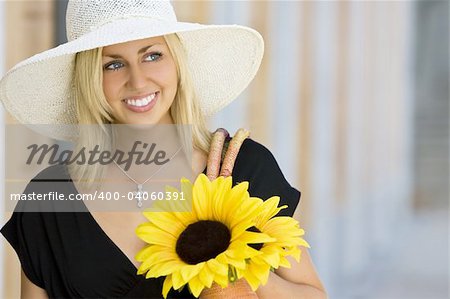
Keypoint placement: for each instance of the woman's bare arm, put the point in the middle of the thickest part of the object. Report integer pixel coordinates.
(29, 290)
(299, 281)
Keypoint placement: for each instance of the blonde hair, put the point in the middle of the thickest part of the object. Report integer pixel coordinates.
(93, 108)
(185, 109)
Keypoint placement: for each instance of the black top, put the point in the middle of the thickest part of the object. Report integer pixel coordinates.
(70, 256)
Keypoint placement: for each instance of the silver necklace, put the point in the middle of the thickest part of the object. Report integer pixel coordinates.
(139, 193)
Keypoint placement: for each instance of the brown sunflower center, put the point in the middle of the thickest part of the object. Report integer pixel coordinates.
(256, 246)
(202, 240)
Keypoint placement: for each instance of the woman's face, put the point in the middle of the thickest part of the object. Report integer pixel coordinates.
(140, 81)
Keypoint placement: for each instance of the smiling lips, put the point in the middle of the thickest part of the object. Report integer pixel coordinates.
(141, 104)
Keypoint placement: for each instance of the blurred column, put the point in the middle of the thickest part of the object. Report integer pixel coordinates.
(60, 21)
(381, 201)
(285, 50)
(2, 41)
(235, 115)
(431, 115)
(379, 188)
(325, 233)
(306, 99)
(29, 30)
(2, 145)
(259, 113)
(406, 97)
(354, 251)
(389, 115)
(402, 120)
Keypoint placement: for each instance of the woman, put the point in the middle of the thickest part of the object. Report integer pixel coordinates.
(131, 62)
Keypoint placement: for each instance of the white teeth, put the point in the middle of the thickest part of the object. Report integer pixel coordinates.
(141, 102)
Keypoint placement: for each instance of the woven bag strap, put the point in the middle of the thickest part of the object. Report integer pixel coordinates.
(240, 289)
(223, 154)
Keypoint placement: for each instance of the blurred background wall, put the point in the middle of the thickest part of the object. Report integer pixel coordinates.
(352, 98)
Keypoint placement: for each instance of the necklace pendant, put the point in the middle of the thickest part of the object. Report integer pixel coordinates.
(138, 195)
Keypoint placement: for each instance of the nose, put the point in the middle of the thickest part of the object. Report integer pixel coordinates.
(137, 78)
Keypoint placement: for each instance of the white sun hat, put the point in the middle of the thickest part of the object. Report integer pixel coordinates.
(222, 59)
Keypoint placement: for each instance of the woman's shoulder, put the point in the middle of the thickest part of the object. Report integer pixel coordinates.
(257, 158)
(48, 191)
(57, 172)
(256, 164)
(252, 152)
(52, 178)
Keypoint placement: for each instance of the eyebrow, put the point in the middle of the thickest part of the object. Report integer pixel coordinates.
(142, 50)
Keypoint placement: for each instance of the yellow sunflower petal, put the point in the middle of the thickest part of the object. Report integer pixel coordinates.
(167, 286)
(196, 286)
(186, 187)
(189, 271)
(165, 268)
(149, 263)
(177, 280)
(271, 256)
(237, 262)
(254, 238)
(153, 235)
(245, 209)
(240, 250)
(252, 280)
(146, 256)
(201, 197)
(284, 224)
(168, 223)
(220, 203)
(186, 217)
(143, 269)
(221, 280)
(159, 257)
(270, 209)
(239, 229)
(185, 198)
(245, 212)
(216, 267)
(144, 253)
(284, 262)
(296, 253)
(206, 276)
(219, 192)
(265, 277)
(260, 271)
(291, 242)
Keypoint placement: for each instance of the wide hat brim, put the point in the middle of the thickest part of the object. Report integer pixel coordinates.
(222, 59)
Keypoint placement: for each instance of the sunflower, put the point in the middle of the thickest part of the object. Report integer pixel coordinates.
(205, 245)
(287, 233)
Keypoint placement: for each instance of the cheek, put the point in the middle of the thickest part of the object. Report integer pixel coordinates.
(167, 76)
(108, 88)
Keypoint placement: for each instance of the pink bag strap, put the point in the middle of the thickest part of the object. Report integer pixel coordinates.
(223, 154)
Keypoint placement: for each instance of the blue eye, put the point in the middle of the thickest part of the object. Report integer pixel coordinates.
(113, 66)
(154, 56)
